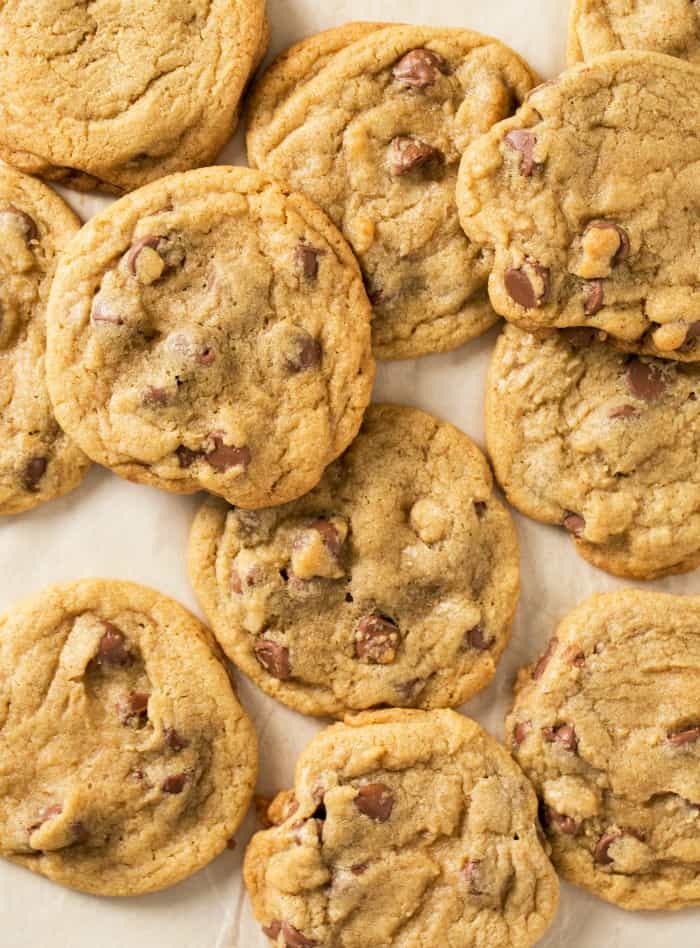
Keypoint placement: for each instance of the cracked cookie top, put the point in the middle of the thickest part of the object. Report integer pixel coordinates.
(370, 121)
(114, 95)
(662, 26)
(404, 828)
(607, 727)
(588, 198)
(37, 460)
(211, 330)
(602, 443)
(126, 762)
(394, 582)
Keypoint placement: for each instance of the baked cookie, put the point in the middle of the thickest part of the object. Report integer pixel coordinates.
(370, 121)
(663, 26)
(404, 828)
(607, 726)
(126, 762)
(211, 330)
(159, 92)
(588, 196)
(37, 461)
(394, 582)
(602, 443)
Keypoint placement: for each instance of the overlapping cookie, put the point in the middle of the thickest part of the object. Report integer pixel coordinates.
(126, 762)
(662, 26)
(394, 582)
(607, 726)
(159, 90)
(588, 197)
(370, 121)
(37, 460)
(404, 828)
(602, 443)
(211, 330)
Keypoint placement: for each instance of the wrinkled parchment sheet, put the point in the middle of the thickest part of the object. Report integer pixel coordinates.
(110, 528)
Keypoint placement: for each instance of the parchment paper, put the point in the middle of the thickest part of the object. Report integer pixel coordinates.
(114, 529)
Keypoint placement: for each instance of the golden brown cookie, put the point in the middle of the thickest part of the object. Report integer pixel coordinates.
(211, 331)
(394, 582)
(126, 762)
(607, 726)
(405, 828)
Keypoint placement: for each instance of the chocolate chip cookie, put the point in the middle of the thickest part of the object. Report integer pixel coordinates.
(663, 26)
(589, 196)
(211, 331)
(159, 91)
(37, 460)
(607, 726)
(602, 443)
(404, 828)
(126, 761)
(370, 121)
(394, 582)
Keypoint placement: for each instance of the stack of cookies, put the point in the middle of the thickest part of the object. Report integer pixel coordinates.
(216, 329)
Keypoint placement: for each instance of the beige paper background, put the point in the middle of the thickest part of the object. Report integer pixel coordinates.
(113, 529)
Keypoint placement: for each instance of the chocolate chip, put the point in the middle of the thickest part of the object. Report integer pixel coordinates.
(102, 313)
(175, 741)
(376, 801)
(153, 396)
(274, 658)
(307, 258)
(419, 68)
(624, 248)
(22, 221)
(475, 639)
(691, 337)
(79, 833)
(329, 535)
(600, 854)
(113, 649)
(407, 153)
(544, 660)
(174, 784)
(377, 639)
(520, 732)
(273, 929)
(137, 248)
(206, 356)
(223, 457)
(33, 472)
(186, 457)
(293, 938)
(564, 734)
(595, 297)
(521, 290)
(574, 523)
(306, 353)
(579, 337)
(686, 736)
(133, 708)
(622, 411)
(523, 142)
(565, 824)
(253, 575)
(578, 658)
(470, 874)
(645, 380)
(359, 869)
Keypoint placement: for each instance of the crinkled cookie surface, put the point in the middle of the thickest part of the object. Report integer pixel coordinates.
(370, 121)
(126, 762)
(602, 443)
(607, 726)
(405, 828)
(589, 197)
(662, 26)
(394, 582)
(113, 95)
(211, 330)
(37, 460)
